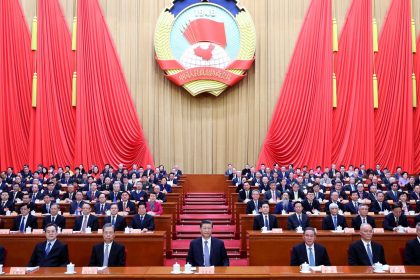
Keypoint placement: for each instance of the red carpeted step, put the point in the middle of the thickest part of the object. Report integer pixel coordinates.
(196, 229)
(197, 218)
(199, 207)
(205, 209)
(205, 195)
(183, 245)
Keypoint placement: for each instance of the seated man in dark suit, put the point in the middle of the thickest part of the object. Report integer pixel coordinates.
(125, 205)
(76, 205)
(93, 193)
(101, 206)
(142, 220)
(310, 204)
(298, 219)
(395, 219)
(309, 252)
(332, 221)
(117, 221)
(161, 197)
(244, 194)
(6, 204)
(27, 200)
(48, 201)
(412, 249)
(54, 218)
(51, 191)
(265, 219)
(272, 195)
(393, 193)
(353, 205)
(86, 220)
(363, 218)
(334, 199)
(24, 220)
(380, 205)
(138, 194)
(365, 252)
(254, 205)
(207, 250)
(108, 253)
(50, 253)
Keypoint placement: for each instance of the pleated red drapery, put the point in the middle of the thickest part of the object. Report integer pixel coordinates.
(300, 129)
(53, 120)
(394, 117)
(107, 125)
(417, 111)
(16, 68)
(353, 140)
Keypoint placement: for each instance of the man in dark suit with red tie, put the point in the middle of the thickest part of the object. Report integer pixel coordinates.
(265, 219)
(108, 253)
(366, 252)
(50, 253)
(207, 250)
(309, 252)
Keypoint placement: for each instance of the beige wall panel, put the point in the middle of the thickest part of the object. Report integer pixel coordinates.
(202, 134)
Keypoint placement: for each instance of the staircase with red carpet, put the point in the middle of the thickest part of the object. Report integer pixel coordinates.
(200, 206)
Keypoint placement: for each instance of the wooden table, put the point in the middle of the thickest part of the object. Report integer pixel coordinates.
(144, 249)
(275, 248)
(231, 273)
(162, 223)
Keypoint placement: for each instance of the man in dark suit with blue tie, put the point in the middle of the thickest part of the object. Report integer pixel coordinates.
(412, 249)
(265, 219)
(24, 220)
(142, 220)
(207, 250)
(50, 253)
(76, 205)
(108, 253)
(54, 218)
(309, 252)
(117, 221)
(395, 219)
(366, 252)
(298, 219)
(101, 206)
(253, 206)
(332, 221)
(393, 193)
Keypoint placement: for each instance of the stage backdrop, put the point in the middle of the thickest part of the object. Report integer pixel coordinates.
(202, 134)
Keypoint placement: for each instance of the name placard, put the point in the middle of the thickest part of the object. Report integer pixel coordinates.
(348, 230)
(67, 231)
(4, 231)
(206, 270)
(18, 270)
(378, 230)
(277, 230)
(329, 269)
(38, 231)
(397, 269)
(89, 270)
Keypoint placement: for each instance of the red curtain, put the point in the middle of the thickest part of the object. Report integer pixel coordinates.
(107, 125)
(353, 140)
(300, 130)
(394, 117)
(53, 120)
(16, 68)
(417, 111)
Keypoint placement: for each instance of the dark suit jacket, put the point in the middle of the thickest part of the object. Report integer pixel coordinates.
(9, 205)
(412, 252)
(259, 222)
(390, 196)
(55, 194)
(350, 208)
(279, 207)
(97, 208)
(307, 207)
(319, 195)
(268, 195)
(389, 221)
(91, 196)
(376, 208)
(67, 196)
(92, 223)
(130, 205)
(300, 195)
(250, 206)
(60, 221)
(299, 255)
(116, 255)
(2, 255)
(293, 223)
(74, 205)
(357, 222)
(340, 206)
(218, 254)
(58, 255)
(120, 223)
(31, 222)
(328, 224)
(148, 222)
(357, 254)
(44, 208)
(141, 196)
(242, 195)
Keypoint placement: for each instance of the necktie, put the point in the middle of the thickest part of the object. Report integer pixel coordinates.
(206, 254)
(369, 252)
(113, 221)
(141, 219)
(380, 205)
(364, 221)
(396, 221)
(125, 206)
(299, 220)
(102, 208)
(22, 224)
(84, 224)
(48, 208)
(48, 249)
(266, 223)
(3, 204)
(335, 222)
(115, 197)
(106, 253)
(52, 219)
(311, 257)
(247, 195)
(256, 205)
(273, 195)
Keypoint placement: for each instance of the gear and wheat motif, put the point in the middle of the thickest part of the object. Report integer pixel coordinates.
(205, 47)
